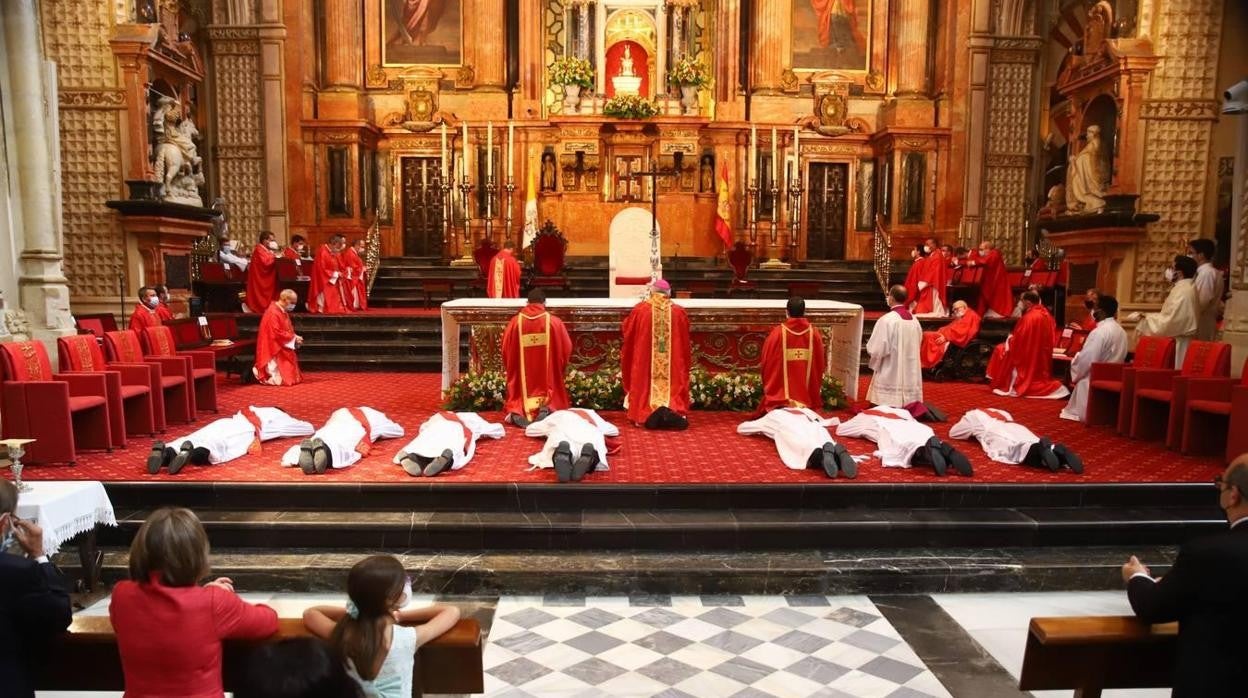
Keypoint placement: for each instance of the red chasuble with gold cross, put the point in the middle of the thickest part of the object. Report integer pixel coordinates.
(792, 365)
(536, 349)
(655, 357)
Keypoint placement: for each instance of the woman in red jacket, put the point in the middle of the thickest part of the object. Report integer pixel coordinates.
(169, 629)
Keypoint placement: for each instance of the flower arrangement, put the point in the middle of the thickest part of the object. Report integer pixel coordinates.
(602, 390)
(733, 392)
(833, 393)
(686, 71)
(629, 107)
(570, 70)
(477, 392)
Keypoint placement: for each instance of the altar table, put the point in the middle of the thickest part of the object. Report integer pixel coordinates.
(840, 323)
(69, 510)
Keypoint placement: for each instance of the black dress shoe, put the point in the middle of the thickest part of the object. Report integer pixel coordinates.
(156, 459)
(440, 463)
(585, 463)
(1068, 458)
(933, 454)
(518, 420)
(305, 457)
(410, 464)
(180, 460)
(542, 413)
(956, 458)
(563, 461)
(321, 460)
(827, 460)
(844, 461)
(1048, 457)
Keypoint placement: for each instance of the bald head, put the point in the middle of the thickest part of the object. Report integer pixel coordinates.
(897, 295)
(959, 308)
(1233, 489)
(288, 298)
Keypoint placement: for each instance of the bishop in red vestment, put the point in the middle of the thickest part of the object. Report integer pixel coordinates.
(325, 289)
(1023, 365)
(655, 358)
(163, 311)
(932, 283)
(994, 289)
(959, 332)
(503, 278)
(262, 274)
(145, 314)
(536, 349)
(793, 362)
(276, 342)
(297, 250)
(356, 288)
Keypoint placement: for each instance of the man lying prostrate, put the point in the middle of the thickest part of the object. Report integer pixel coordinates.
(445, 440)
(1007, 441)
(226, 439)
(575, 442)
(346, 437)
(803, 441)
(903, 441)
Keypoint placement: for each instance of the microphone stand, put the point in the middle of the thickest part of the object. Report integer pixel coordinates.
(121, 295)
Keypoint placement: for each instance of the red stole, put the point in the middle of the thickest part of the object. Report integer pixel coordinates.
(997, 414)
(881, 413)
(251, 417)
(452, 417)
(365, 445)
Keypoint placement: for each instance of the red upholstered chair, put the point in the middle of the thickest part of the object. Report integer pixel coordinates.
(1161, 393)
(1111, 387)
(201, 365)
(96, 324)
(964, 284)
(550, 250)
(62, 411)
(1213, 404)
(740, 259)
(171, 392)
(1069, 343)
(129, 385)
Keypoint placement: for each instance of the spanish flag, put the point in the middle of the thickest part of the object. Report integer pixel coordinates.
(723, 210)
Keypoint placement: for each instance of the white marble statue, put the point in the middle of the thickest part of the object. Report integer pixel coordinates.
(178, 165)
(626, 62)
(1086, 178)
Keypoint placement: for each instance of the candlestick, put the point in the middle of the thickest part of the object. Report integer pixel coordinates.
(489, 150)
(465, 158)
(775, 161)
(797, 137)
(753, 165)
(511, 139)
(511, 190)
(443, 152)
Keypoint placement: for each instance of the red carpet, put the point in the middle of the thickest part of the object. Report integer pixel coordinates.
(709, 452)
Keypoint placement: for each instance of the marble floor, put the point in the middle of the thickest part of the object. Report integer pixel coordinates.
(749, 646)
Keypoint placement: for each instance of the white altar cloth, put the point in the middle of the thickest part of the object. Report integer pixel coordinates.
(843, 321)
(63, 509)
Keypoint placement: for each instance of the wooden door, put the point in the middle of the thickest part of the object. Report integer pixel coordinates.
(826, 206)
(422, 207)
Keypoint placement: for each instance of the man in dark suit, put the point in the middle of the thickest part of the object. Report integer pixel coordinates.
(1206, 591)
(34, 598)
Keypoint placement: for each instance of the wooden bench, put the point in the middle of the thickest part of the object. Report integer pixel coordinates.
(1093, 653)
(86, 658)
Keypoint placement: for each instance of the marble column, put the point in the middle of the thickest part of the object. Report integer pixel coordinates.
(726, 63)
(34, 164)
(272, 33)
(344, 44)
(767, 57)
(532, 62)
(1235, 325)
(490, 52)
(912, 39)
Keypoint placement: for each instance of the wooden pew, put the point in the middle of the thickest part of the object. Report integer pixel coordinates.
(86, 659)
(1093, 653)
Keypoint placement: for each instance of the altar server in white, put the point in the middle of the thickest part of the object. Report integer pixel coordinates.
(897, 374)
(1007, 441)
(902, 441)
(226, 439)
(446, 439)
(1107, 343)
(346, 437)
(1179, 316)
(803, 441)
(575, 442)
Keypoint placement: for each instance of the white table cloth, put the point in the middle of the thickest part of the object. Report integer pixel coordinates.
(63, 509)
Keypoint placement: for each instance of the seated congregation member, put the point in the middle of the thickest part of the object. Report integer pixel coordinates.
(1022, 365)
(326, 292)
(896, 375)
(372, 634)
(1021, 306)
(1007, 441)
(961, 331)
(226, 439)
(1209, 287)
(1088, 323)
(356, 286)
(345, 438)
(655, 359)
(793, 362)
(169, 628)
(34, 599)
(227, 254)
(503, 277)
(1106, 343)
(298, 249)
(163, 310)
(445, 440)
(803, 441)
(575, 443)
(297, 667)
(995, 297)
(145, 313)
(276, 343)
(536, 349)
(1204, 591)
(904, 441)
(1179, 316)
(262, 274)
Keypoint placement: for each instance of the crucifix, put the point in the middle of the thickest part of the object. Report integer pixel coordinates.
(654, 175)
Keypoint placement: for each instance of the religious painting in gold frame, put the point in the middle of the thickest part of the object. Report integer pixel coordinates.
(840, 35)
(422, 32)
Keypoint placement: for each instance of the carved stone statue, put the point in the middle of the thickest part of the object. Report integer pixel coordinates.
(548, 171)
(626, 62)
(177, 164)
(1086, 177)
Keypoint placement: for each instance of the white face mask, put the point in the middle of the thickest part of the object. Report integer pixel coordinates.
(1169, 274)
(153, 301)
(290, 307)
(226, 248)
(272, 245)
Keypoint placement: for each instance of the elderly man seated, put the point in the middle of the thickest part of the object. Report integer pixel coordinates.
(960, 332)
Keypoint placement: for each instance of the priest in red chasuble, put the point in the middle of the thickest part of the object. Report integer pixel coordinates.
(145, 312)
(994, 289)
(163, 311)
(276, 342)
(326, 288)
(355, 289)
(503, 278)
(1023, 365)
(793, 362)
(536, 349)
(655, 358)
(262, 274)
(959, 332)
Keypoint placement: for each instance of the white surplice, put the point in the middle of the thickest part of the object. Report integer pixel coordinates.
(576, 426)
(342, 433)
(1106, 343)
(896, 433)
(454, 431)
(1003, 439)
(894, 348)
(1178, 318)
(797, 431)
(230, 437)
(1209, 288)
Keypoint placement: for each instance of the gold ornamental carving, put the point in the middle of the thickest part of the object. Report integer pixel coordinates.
(1008, 160)
(93, 99)
(376, 76)
(465, 77)
(829, 149)
(1199, 110)
(874, 81)
(1013, 56)
(789, 81)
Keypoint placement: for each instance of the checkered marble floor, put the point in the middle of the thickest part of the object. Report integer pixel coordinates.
(700, 646)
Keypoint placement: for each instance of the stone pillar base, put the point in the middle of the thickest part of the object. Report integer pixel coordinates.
(908, 112)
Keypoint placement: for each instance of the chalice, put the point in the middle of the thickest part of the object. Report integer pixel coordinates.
(17, 449)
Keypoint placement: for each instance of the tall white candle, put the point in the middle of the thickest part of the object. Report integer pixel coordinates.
(797, 137)
(775, 160)
(511, 139)
(751, 168)
(465, 161)
(444, 153)
(489, 151)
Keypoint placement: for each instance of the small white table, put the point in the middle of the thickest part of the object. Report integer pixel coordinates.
(66, 510)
